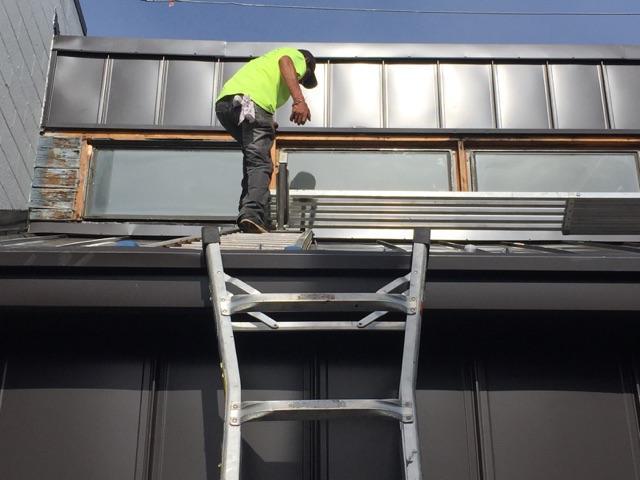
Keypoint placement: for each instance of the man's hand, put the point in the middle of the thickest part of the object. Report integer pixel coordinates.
(300, 113)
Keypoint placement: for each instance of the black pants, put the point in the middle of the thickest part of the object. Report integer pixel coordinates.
(256, 140)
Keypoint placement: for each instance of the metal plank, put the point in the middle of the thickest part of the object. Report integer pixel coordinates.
(521, 96)
(467, 96)
(577, 96)
(77, 86)
(188, 93)
(133, 91)
(623, 93)
(356, 95)
(419, 108)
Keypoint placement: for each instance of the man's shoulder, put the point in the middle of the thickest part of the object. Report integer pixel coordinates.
(284, 51)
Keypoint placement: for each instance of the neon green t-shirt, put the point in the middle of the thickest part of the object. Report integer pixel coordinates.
(261, 79)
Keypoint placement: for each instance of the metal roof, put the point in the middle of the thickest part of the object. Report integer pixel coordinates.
(140, 84)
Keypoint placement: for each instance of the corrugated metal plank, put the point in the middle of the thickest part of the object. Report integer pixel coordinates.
(587, 216)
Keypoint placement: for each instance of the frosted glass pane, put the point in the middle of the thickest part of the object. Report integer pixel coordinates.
(556, 172)
(369, 170)
(130, 183)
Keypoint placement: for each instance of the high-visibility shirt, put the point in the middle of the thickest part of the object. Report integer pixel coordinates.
(261, 79)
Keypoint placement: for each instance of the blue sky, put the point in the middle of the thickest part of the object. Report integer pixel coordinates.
(135, 18)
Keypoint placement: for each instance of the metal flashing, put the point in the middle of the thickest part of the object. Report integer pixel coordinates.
(351, 51)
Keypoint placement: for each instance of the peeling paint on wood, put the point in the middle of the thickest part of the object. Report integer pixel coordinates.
(52, 198)
(49, 214)
(58, 152)
(55, 177)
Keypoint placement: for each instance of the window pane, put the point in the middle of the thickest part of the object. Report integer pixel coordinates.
(556, 172)
(369, 170)
(175, 183)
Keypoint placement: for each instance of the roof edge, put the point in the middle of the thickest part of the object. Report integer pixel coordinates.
(215, 48)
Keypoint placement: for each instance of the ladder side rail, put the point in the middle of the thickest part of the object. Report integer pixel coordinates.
(231, 442)
(408, 375)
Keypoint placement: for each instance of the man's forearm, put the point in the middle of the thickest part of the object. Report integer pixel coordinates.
(300, 112)
(288, 72)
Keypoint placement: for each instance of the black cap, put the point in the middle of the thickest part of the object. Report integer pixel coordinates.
(309, 79)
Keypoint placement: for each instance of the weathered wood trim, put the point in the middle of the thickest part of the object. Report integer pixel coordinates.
(130, 136)
(55, 177)
(86, 152)
(461, 168)
(55, 198)
(47, 214)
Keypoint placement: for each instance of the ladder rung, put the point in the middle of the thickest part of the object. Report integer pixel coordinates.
(315, 326)
(310, 302)
(323, 409)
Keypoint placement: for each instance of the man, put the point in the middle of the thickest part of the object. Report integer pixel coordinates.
(245, 108)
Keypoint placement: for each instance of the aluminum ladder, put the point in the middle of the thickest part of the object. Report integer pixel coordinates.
(226, 304)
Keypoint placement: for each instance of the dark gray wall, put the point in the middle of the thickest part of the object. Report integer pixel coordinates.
(137, 394)
(26, 32)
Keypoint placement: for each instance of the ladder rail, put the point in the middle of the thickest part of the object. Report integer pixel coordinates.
(411, 349)
(231, 439)
(226, 304)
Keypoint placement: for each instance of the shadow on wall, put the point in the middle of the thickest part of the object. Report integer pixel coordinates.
(303, 181)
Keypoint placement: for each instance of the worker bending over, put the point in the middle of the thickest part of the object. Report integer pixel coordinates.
(245, 108)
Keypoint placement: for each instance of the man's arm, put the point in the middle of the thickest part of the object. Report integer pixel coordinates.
(300, 112)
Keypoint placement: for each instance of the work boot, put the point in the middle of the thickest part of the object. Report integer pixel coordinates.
(248, 225)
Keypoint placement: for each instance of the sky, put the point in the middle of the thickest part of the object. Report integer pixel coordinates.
(137, 18)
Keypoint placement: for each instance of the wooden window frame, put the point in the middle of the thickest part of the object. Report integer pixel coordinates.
(461, 145)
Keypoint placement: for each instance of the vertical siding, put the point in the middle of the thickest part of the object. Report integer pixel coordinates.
(26, 29)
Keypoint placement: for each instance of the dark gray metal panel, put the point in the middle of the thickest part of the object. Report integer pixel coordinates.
(363, 367)
(72, 415)
(274, 370)
(623, 90)
(556, 412)
(347, 50)
(133, 92)
(577, 96)
(521, 96)
(356, 95)
(188, 426)
(446, 416)
(411, 97)
(316, 99)
(191, 291)
(467, 96)
(77, 85)
(189, 95)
